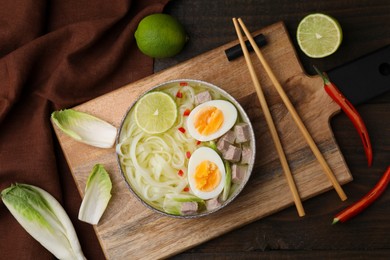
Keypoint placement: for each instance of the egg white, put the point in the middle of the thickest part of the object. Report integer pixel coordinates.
(202, 154)
(229, 113)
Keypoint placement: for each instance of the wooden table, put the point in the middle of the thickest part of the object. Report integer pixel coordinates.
(366, 26)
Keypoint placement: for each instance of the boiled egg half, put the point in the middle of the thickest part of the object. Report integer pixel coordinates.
(206, 173)
(211, 119)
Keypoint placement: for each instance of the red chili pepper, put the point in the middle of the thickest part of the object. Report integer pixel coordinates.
(179, 94)
(351, 112)
(180, 173)
(198, 142)
(182, 84)
(188, 154)
(182, 129)
(186, 112)
(364, 202)
(186, 189)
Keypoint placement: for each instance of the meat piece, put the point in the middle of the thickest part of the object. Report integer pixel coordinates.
(212, 204)
(202, 97)
(222, 146)
(233, 154)
(242, 132)
(224, 142)
(188, 208)
(229, 137)
(238, 173)
(246, 155)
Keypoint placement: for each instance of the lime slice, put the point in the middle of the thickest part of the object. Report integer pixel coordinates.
(319, 35)
(155, 112)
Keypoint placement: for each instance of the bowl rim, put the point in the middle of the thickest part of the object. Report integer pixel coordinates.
(242, 114)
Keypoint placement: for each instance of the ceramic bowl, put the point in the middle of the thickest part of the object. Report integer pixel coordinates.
(132, 177)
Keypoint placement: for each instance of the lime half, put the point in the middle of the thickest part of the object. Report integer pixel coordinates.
(155, 112)
(319, 35)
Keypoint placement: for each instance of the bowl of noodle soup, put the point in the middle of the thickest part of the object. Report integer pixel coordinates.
(164, 170)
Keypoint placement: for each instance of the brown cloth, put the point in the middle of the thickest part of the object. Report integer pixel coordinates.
(55, 55)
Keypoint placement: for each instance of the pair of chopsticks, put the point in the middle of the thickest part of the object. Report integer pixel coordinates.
(290, 180)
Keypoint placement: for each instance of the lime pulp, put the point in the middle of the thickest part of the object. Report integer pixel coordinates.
(155, 112)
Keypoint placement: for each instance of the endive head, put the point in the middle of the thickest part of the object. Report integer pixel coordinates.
(43, 217)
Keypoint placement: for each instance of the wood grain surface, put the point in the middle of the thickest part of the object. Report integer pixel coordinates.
(128, 230)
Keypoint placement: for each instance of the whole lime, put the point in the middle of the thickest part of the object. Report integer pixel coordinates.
(160, 36)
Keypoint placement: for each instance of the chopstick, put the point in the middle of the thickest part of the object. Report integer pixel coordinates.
(295, 115)
(270, 123)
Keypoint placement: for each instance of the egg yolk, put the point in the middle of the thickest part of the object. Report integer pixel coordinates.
(208, 120)
(207, 176)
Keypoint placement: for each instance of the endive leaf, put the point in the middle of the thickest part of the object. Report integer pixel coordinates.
(173, 202)
(97, 195)
(228, 181)
(85, 128)
(43, 217)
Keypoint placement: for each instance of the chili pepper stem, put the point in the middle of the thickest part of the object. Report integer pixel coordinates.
(335, 221)
(323, 76)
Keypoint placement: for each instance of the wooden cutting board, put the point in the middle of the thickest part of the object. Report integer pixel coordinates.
(129, 230)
